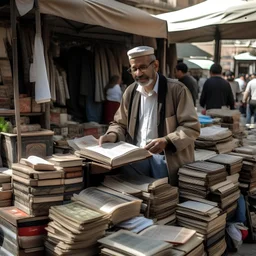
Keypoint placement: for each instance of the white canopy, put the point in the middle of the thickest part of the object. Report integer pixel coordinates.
(234, 19)
(245, 56)
(109, 14)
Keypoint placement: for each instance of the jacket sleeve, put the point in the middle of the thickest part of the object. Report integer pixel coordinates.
(188, 126)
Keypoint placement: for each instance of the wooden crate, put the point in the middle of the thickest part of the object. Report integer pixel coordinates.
(33, 143)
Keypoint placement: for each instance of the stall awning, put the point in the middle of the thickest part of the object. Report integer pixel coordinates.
(232, 19)
(109, 14)
(198, 63)
(245, 56)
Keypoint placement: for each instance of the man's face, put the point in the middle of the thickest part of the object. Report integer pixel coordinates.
(143, 70)
(177, 73)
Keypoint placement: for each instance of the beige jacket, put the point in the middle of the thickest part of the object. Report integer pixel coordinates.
(177, 119)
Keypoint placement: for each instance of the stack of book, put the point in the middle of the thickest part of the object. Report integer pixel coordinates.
(195, 179)
(227, 193)
(21, 234)
(35, 191)
(5, 187)
(160, 197)
(208, 221)
(233, 163)
(117, 206)
(74, 230)
(72, 168)
(125, 242)
(216, 138)
(229, 118)
(247, 175)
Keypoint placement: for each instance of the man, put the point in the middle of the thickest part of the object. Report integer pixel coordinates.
(250, 92)
(237, 93)
(241, 82)
(191, 83)
(158, 114)
(217, 92)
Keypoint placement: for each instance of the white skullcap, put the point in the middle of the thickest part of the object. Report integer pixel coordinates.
(140, 51)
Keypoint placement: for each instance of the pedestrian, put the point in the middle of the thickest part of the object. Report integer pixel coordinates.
(158, 114)
(216, 92)
(191, 83)
(250, 98)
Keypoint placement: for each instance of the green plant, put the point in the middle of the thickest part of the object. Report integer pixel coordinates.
(4, 125)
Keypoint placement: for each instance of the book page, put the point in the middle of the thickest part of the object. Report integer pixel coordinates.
(36, 160)
(134, 244)
(113, 150)
(177, 235)
(86, 141)
(100, 200)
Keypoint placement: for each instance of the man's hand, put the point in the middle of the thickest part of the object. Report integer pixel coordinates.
(110, 137)
(156, 146)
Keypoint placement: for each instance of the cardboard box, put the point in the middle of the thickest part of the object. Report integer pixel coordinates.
(25, 105)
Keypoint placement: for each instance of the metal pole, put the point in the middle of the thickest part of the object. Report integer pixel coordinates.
(15, 76)
(217, 48)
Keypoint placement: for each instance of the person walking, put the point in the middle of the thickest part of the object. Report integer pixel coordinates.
(250, 97)
(156, 113)
(216, 92)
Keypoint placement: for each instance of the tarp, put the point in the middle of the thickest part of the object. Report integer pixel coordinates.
(109, 14)
(187, 50)
(245, 56)
(234, 19)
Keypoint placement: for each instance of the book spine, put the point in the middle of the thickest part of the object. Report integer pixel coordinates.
(73, 174)
(32, 230)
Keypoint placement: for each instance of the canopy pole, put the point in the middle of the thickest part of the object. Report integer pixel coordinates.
(217, 47)
(15, 76)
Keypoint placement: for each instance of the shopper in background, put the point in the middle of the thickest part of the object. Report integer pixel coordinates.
(191, 83)
(217, 92)
(250, 97)
(113, 95)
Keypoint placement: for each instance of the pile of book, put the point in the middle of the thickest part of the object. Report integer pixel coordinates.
(72, 168)
(228, 118)
(159, 197)
(195, 179)
(208, 221)
(5, 187)
(21, 234)
(247, 179)
(37, 186)
(226, 193)
(117, 206)
(74, 230)
(216, 138)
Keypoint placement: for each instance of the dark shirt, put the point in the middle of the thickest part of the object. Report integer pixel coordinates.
(216, 93)
(191, 84)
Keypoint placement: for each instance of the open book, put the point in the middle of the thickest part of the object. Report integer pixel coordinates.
(38, 163)
(118, 208)
(110, 154)
(129, 243)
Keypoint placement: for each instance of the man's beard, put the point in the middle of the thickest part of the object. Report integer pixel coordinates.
(144, 84)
